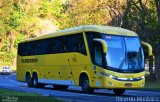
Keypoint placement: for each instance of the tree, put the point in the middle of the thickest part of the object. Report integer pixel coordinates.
(100, 12)
(157, 2)
(125, 16)
(21, 19)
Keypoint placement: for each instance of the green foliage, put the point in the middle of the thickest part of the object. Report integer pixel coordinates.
(21, 19)
(58, 8)
(20, 96)
(147, 14)
(80, 12)
(14, 16)
(8, 58)
(19, 38)
(45, 9)
(14, 20)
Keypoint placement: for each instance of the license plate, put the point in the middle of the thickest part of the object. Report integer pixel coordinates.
(128, 84)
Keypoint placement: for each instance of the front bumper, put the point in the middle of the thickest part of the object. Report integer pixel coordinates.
(112, 84)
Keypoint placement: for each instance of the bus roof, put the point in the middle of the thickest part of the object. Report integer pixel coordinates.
(87, 28)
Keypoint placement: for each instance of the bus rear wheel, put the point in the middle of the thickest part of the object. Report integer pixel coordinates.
(60, 87)
(35, 82)
(118, 91)
(84, 81)
(29, 80)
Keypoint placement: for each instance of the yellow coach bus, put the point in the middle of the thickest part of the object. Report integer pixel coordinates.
(90, 56)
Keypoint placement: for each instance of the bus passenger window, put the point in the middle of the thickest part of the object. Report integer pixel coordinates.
(58, 45)
(65, 44)
(78, 43)
(51, 46)
(64, 48)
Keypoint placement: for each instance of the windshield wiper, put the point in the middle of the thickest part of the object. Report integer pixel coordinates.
(122, 63)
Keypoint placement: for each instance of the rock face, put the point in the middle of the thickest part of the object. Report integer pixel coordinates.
(49, 26)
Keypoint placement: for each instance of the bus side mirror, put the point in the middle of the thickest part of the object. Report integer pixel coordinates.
(149, 48)
(104, 44)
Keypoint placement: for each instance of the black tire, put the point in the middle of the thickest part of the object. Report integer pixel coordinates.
(60, 87)
(35, 80)
(84, 82)
(29, 80)
(36, 83)
(118, 91)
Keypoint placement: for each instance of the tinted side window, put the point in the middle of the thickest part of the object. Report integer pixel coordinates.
(31, 48)
(58, 45)
(38, 47)
(65, 44)
(51, 46)
(90, 36)
(41, 47)
(78, 44)
(62, 44)
(21, 49)
(98, 54)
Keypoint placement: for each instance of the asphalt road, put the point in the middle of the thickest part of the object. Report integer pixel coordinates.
(75, 94)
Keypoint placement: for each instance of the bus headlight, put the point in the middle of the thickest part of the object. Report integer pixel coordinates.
(142, 77)
(113, 77)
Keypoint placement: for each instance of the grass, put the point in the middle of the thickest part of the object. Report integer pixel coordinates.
(18, 96)
(6, 92)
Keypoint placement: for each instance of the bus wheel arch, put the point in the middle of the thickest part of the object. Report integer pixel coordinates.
(84, 82)
(29, 79)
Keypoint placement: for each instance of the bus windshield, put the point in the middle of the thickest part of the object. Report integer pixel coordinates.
(124, 54)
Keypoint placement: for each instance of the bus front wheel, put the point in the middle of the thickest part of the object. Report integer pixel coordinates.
(118, 91)
(29, 80)
(84, 81)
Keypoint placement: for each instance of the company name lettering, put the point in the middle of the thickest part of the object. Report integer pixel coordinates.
(33, 60)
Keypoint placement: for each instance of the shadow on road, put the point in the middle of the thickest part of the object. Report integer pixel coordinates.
(80, 92)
